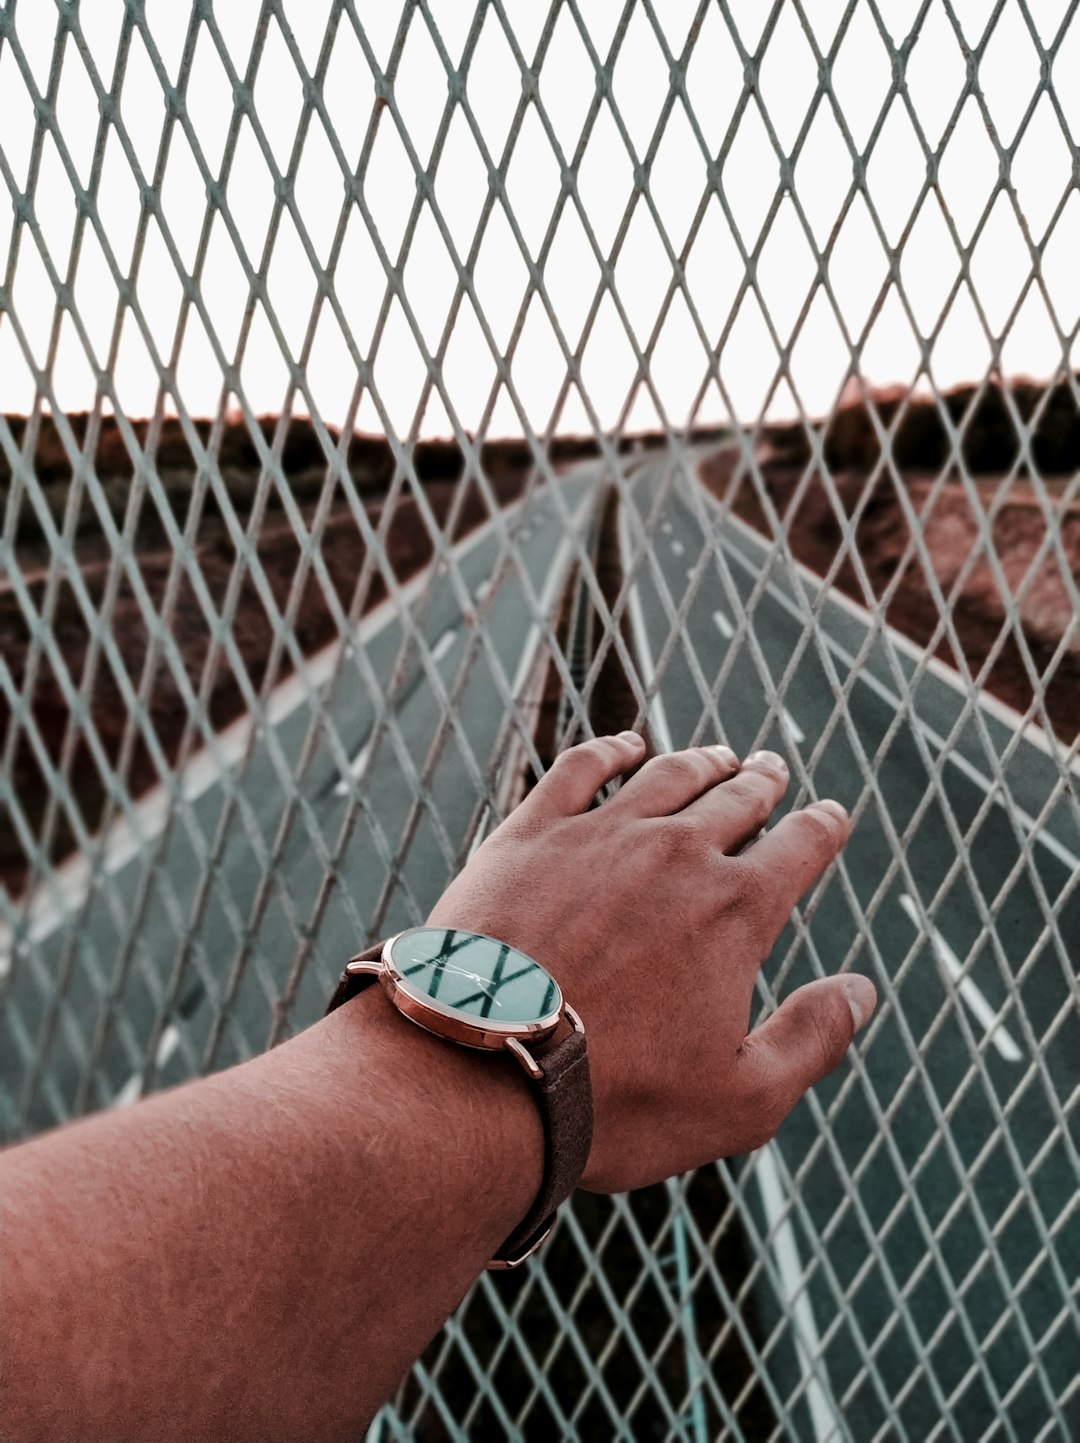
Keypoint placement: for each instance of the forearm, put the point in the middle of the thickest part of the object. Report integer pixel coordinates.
(265, 1252)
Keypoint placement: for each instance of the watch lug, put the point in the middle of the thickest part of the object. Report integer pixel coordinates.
(499, 1265)
(575, 1021)
(358, 966)
(525, 1057)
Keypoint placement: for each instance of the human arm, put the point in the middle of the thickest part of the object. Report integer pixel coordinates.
(265, 1252)
(260, 1254)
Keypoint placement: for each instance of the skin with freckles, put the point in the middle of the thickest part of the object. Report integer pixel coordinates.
(263, 1253)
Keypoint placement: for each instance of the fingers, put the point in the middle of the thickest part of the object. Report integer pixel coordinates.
(579, 773)
(802, 1042)
(668, 783)
(792, 856)
(735, 813)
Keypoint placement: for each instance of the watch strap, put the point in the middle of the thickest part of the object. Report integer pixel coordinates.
(565, 1098)
(350, 983)
(567, 1113)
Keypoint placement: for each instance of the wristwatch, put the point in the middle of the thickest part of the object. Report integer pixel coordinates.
(482, 993)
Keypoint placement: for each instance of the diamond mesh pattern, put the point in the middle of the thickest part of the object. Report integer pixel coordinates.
(691, 219)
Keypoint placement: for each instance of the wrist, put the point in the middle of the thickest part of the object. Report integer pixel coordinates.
(472, 1114)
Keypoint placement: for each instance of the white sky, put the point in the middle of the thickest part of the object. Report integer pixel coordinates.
(1001, 264)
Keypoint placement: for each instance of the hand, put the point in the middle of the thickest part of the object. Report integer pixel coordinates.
(654, 922)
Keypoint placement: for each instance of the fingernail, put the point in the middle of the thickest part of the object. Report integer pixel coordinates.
(725, 754)
(769, 761)
(632, 737)
(835, 809)
(861, 998)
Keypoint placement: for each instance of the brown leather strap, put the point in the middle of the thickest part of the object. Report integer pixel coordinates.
(565, 1097)
(353, 982)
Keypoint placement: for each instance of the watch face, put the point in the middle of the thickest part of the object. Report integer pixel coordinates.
(474, 978)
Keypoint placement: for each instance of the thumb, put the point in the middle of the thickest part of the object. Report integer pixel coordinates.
(802, 1042)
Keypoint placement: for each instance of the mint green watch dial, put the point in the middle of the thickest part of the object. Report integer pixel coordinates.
(474, 975)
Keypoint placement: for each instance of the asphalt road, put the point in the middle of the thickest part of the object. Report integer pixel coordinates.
(916, 1258)
(916, 1249)
(185, 916)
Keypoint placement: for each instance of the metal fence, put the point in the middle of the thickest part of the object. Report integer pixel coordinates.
(266, 683)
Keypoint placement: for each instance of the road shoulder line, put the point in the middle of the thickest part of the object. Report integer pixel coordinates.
(123, 842)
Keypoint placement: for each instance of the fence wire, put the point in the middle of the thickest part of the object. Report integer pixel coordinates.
(274, 660)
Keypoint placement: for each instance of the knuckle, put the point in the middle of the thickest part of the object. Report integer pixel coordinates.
(581, 752)
(821, 830)
(767, 1093)
(670, 767)
(827, 1035)
(763, 1112)
(586, 759)
(746, 878)
(751, 895)
(683, 840)
(749, 797)
(759, 1135)
(830, 1041)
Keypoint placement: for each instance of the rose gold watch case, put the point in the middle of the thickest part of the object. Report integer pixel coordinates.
(448, 1023)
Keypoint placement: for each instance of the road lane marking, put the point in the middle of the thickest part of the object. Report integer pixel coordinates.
(530, 651)
(950, 967)
(723, 626)
(359, 764)
(791, 727)
(357, 768)
(657, 715)
(795, 1296)
(481, 832)
(823, 1417)
(131, 1091)
(54, 903)
(1001, 711)
(887, 694)
(444, 643)
(1008, 716)
(678, 548)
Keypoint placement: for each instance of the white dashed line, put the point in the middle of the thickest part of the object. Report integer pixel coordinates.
(51, 906)
(132, 1088)
(481, 833)
(723, 626)
(657, 715)
(443, 645)
(358, 765)
(1031, 732)
(795, 1297)
(781, 1234)
(952, 972)
(791, 727)
(678, 548)
(357, 768)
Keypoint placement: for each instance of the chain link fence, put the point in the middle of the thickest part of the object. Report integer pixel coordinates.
(288, 624)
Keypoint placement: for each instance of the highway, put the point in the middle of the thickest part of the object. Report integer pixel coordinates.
(178, 923)
(915, 1224)
(925, 1252)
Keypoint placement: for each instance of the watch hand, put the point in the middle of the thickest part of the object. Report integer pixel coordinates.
(482, 983)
